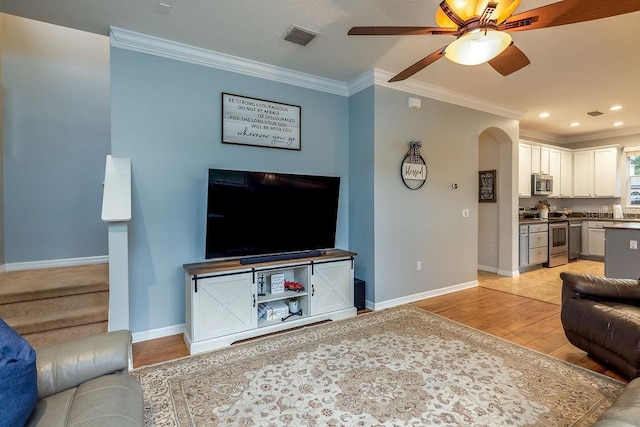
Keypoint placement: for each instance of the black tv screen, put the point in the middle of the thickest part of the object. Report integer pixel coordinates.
(259, 213)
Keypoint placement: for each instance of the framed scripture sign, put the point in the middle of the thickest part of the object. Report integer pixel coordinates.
(251, 121)
(487, 186)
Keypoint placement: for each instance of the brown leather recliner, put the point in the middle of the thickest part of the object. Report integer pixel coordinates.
(602, 317)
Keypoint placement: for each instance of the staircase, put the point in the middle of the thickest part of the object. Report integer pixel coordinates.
(53, 305)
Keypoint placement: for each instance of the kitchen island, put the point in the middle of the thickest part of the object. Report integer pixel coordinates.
(621, 254)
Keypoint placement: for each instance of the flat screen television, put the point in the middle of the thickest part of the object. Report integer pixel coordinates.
(259, 213)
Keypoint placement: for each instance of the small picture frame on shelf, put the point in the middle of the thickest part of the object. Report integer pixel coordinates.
(277, 283)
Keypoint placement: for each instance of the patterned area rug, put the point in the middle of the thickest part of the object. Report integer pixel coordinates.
(400, 366)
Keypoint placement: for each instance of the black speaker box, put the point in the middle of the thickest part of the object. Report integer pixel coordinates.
(358, 293)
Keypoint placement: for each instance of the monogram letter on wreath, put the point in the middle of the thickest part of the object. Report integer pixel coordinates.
(413, 170)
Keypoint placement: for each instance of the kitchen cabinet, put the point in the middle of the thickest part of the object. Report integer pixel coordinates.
(540, 159)
(595, 173)
(583, 173)
(605, 172)
(544, 160)
(595, 237)
(555, 170)
(524, 170)
(535, 159)
(561, 169)
(566, 174)
(534, 244)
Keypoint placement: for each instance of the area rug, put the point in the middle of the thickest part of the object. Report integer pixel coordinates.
(393, 367)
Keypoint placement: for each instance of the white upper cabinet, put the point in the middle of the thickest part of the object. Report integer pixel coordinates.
(535, 158)
(540, 159)
(545, 166)
(583, 173)
(555, 170)
(524, 171)
(566, 174)
(595, 173)
(561, 169)
(605, 172)
(589, 172)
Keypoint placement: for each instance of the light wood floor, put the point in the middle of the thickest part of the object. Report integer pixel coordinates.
(529, 322)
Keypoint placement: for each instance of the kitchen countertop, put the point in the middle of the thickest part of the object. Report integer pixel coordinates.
(625, 225)
(579, 218)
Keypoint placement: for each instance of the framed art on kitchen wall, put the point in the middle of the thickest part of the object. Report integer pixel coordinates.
(487, 186)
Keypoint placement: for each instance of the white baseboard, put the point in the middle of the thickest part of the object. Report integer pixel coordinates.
(487, 268)
(67, 262)
(421, 295)
(158, 333)
(2, 268)
(508, 273)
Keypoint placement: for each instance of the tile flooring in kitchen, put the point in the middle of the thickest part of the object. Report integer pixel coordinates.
(542, 283)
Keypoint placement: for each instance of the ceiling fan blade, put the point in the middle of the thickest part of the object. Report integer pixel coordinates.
(418, 66)
(509, 61)
(400, 31)
(568, 12)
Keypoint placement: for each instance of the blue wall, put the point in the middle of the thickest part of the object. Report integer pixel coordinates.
(361, 183)
(56, 138)
(166, 117)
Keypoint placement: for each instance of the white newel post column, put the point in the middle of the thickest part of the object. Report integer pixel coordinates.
(116, 211)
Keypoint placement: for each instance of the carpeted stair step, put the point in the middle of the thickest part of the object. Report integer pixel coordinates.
(52, 305)
(56, 320)
(61, 304)
(26, 285)
(56, 336)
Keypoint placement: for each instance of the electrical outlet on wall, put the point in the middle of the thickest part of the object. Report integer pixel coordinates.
(633, 244)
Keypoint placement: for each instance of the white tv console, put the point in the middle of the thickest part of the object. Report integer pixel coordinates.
(222, 297)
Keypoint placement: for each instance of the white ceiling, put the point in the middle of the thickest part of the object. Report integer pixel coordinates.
(574, 69)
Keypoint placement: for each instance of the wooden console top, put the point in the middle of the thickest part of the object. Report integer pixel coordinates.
(234, 264)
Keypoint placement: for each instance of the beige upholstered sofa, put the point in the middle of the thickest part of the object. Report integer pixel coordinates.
(85, 382)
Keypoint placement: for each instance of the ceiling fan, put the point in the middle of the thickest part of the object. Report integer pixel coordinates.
(482, 29)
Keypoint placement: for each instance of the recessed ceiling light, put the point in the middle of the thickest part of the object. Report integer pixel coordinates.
(615, 108)
(574, 124)
(618, 123)
(544, 115)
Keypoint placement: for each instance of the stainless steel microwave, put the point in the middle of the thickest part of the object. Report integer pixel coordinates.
(541, 185)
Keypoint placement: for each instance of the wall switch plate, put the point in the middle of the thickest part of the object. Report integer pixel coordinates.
(465, 213)
(419, 266)
(633, 244)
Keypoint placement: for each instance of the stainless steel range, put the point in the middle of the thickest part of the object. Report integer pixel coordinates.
(558, 243)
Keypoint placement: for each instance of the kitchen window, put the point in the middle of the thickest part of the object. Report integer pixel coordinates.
(633, 184)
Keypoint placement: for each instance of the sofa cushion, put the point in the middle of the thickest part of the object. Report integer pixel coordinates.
(109, 400)
(625, 411)
(18, 386)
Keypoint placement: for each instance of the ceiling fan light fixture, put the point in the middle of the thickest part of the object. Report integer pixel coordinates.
(467, 10)
(477, 46)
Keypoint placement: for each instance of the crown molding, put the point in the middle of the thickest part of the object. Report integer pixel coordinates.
(540, 136)
(604, 135)
(381, 78)
(555, 139)
(143, 43)
(137, 42)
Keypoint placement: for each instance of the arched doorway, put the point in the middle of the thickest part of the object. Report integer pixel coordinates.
(497, 221)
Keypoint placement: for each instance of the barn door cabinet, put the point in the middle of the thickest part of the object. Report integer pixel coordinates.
(225, 301)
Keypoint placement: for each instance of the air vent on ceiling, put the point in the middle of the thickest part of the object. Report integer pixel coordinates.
(595, 113)
(299, 35)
